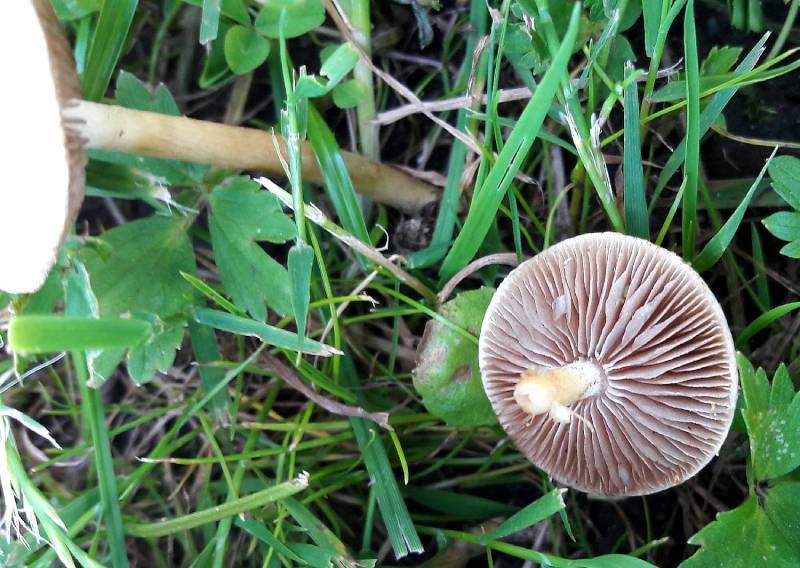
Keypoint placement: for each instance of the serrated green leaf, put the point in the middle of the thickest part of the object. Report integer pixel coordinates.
(333, 70)
(244, 208)
(447, 376)
(720, 60)
(158, 352)
(772, 417)
(743, 537)
(785, 174)
(241, 216)
(302, 16)
(785, 225)
(780, 505)
(245, 49)
(140, 271)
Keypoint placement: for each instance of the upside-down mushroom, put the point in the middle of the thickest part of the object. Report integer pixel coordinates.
(43, 166)
(609, 363)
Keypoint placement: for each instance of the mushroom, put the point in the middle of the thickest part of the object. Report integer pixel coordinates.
(609, 363)
(43, 165)
(47, 148)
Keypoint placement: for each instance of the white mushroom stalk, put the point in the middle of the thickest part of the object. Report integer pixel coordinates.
(120, 129)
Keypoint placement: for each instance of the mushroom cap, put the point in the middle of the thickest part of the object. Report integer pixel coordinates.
(43, 165)
(658, 335)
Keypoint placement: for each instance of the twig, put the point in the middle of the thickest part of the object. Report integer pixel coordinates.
(290, 377)
(508, 258)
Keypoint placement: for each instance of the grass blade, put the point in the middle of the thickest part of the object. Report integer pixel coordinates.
(402, 533)
(539, 510)
(52, 334)
(717, 246)
(763, 321)
(651, 9)
(94, 412)
(691, 164)
(707, 118)
(300, 263)
(218, 512)
(209, 24)
(488, 198)
(108, 41)
(761, 284)
(80, 301)
(636, 217)
(337, 178)
(267, 333)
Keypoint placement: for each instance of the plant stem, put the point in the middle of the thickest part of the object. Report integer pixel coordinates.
(368, 134)
(229, 509)
(144, 133)
(785, 29)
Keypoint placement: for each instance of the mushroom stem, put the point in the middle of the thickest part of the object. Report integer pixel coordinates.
(144, 133)
(541, 390)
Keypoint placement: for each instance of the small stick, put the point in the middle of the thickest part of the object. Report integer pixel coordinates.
(144, 133)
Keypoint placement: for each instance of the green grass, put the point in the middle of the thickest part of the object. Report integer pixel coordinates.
(159, 433)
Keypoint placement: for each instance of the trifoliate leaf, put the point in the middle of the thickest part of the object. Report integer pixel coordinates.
(301, 17)
(447, 376)
(333, 70)
(241, 216)
(348, 94)
(772, 417)
(245, 49)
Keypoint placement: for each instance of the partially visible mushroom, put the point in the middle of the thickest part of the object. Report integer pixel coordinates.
(610, 364)
(37, 214)
(43, 165)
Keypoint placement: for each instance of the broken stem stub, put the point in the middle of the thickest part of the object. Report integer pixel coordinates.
(542, 390)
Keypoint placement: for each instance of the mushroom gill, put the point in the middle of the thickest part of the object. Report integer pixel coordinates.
(610, 364)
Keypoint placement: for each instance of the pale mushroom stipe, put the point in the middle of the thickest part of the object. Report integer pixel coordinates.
(44, 165)
(609, 363)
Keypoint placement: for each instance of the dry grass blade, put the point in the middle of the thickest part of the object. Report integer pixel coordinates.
(291, 378)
